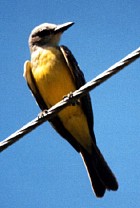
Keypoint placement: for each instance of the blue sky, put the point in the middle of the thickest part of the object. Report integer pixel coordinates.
(43, 170)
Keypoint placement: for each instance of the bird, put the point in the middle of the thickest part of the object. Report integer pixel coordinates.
(53, 73)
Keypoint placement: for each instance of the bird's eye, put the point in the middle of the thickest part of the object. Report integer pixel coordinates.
(42, 33)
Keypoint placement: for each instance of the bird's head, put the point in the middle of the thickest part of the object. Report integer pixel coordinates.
(47, 34)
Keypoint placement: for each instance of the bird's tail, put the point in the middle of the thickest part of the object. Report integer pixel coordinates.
(100, 174)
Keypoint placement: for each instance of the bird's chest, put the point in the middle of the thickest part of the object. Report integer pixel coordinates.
(52, 75)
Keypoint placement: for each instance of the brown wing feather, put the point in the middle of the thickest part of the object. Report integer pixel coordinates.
(79, 81)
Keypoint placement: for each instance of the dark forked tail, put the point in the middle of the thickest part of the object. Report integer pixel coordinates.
(100, 174)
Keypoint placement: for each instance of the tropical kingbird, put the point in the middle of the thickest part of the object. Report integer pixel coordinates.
(53, 73)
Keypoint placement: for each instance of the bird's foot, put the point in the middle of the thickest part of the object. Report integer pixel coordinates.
(70, 97)
(42, 114)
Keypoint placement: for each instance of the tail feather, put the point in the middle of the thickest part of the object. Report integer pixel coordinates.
(100, 174)
(97, 185)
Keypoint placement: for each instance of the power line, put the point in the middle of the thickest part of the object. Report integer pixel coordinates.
(70, 99)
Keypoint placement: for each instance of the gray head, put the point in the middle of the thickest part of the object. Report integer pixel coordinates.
(47, 34)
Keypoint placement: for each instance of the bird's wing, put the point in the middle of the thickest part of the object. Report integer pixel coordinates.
(32, 85)
(79, 80)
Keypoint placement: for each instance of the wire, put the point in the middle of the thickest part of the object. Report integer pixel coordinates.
(70, 99)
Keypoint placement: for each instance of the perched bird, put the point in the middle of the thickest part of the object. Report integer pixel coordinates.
(53, 73)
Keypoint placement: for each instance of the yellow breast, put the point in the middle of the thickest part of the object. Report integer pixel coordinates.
(52, 76)
(55, 80)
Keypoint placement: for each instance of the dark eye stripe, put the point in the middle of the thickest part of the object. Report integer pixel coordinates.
(42, 33)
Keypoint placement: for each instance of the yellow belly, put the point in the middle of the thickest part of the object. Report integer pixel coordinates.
(54, 81)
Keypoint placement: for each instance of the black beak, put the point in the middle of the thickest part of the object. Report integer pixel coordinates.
(63, 27)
